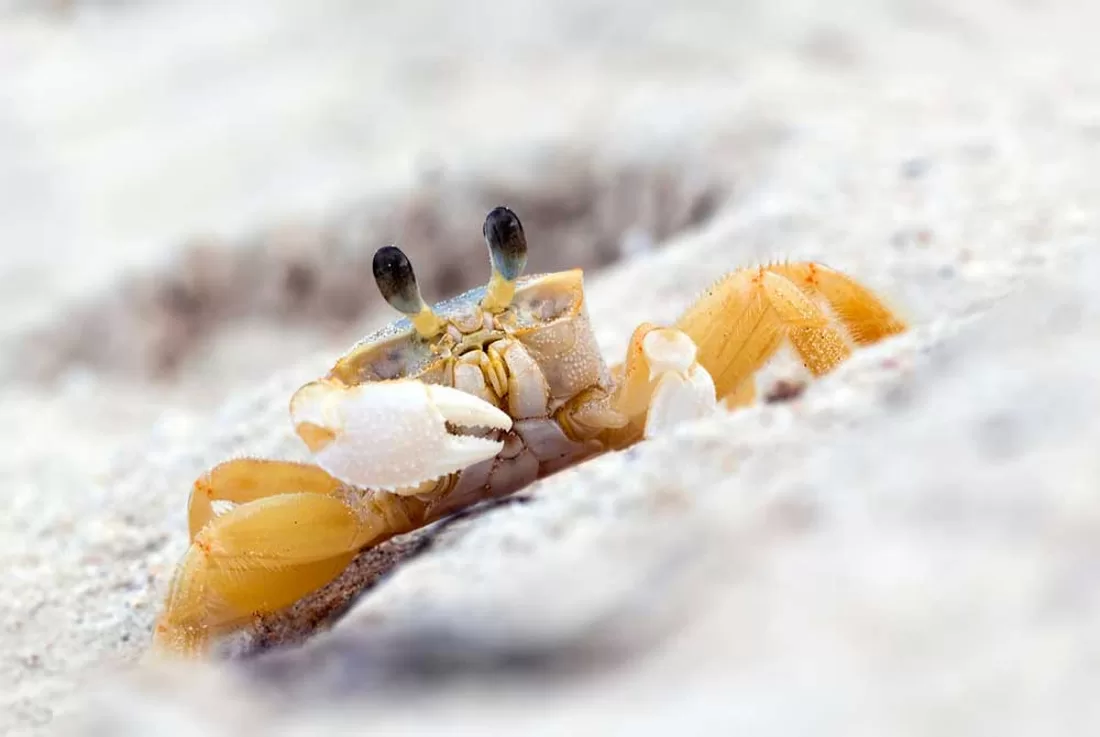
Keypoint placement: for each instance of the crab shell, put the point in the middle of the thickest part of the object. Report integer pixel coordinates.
(536, 362)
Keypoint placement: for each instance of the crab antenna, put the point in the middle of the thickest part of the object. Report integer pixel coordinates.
(508, 253)
(393, 273)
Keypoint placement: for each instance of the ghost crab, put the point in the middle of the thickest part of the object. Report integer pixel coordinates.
(473, 399)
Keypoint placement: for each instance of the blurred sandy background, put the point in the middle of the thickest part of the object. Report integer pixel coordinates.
(191, 193)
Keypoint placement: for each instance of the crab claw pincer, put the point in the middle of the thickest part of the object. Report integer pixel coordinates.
(393, 435)
(683, 390)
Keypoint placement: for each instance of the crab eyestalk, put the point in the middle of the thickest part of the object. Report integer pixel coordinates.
(508, 253)
(393, 273)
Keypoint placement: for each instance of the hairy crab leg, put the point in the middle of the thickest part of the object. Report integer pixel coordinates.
(712, 353)
(861, 312)
(741, 321)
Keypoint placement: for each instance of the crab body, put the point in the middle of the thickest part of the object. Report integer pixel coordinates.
(475, 398)
(536, 360)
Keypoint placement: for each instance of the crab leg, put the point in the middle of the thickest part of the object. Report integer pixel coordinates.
(286, 536)
(741, 322)
(247, 479)
(674, 374)
(294, 529)
(259, 557)
(862, 313)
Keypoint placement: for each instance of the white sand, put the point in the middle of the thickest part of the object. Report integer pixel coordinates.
(906, 549)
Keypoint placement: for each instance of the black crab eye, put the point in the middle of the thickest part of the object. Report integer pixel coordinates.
(393, 273)
(507, 243)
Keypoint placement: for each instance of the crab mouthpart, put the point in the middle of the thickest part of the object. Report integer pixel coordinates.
(393, 435)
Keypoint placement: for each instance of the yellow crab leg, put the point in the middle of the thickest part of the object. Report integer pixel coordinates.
(736, 327)
(196, 610)
(820, 346)
(862, 313)
(260, 557)
(246, 479)
(742, 320)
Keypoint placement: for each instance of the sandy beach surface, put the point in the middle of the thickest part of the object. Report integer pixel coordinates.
(191, 196)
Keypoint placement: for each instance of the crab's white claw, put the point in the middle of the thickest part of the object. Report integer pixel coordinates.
(393, 435)
(684, 390)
